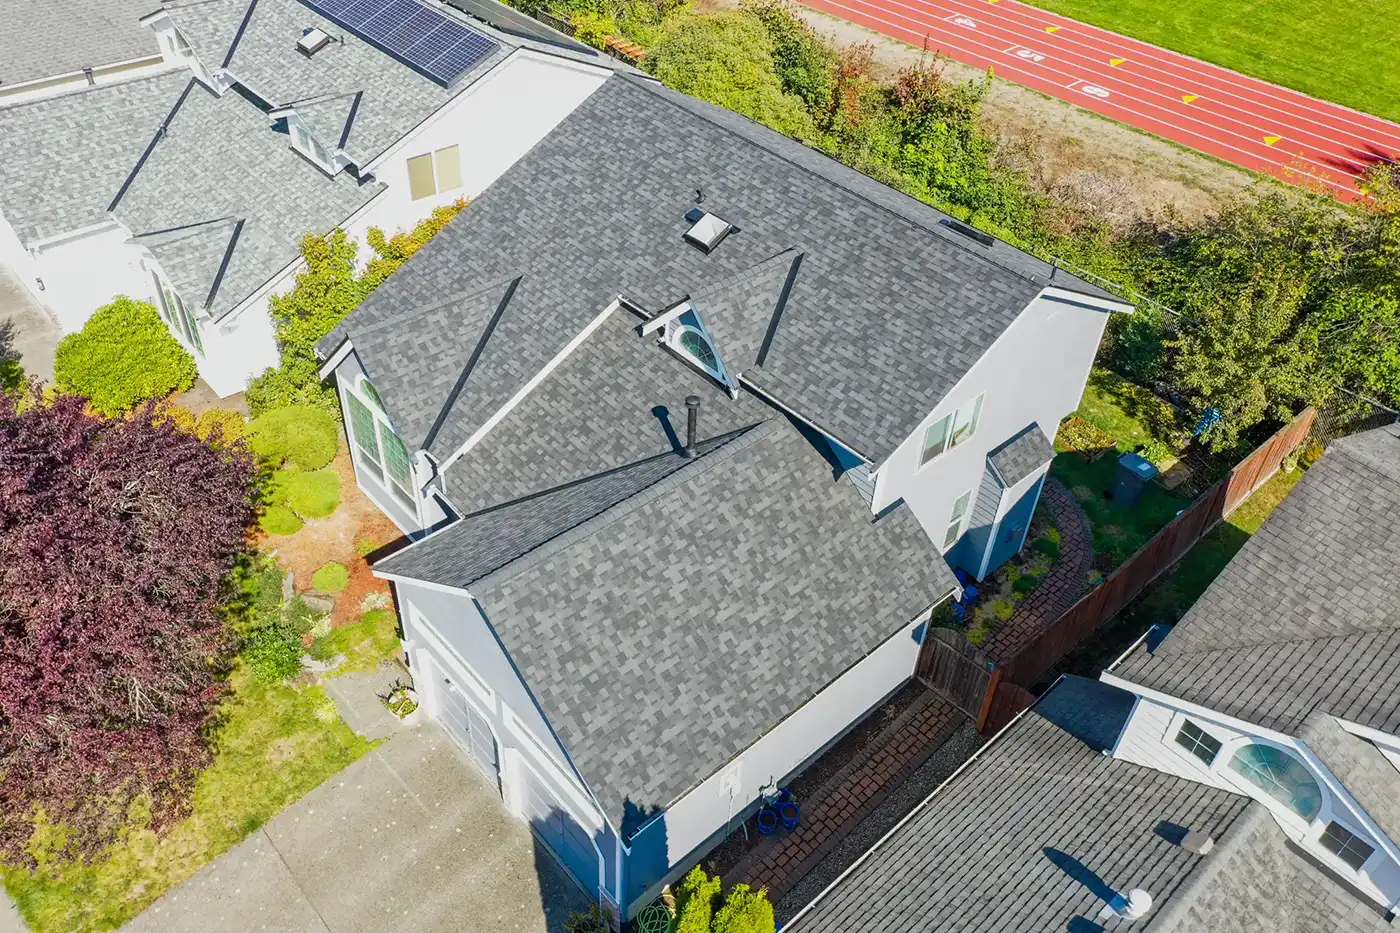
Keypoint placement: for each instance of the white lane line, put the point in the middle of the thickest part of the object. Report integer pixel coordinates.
(1294, 101)
(1148, 96)
(1254, 156)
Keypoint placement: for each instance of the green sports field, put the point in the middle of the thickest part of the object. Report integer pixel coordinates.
(1340, 50)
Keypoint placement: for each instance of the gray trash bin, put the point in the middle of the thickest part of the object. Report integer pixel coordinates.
(1134, 473)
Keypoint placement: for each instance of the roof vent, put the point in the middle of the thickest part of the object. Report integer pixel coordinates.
(1197, 842)
(1131, 906)
(312, 41)
(706, 230)
(972, 233)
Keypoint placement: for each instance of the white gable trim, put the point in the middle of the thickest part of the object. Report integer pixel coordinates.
(338, 356)
(530, 386)
(1087, 301)
(666, 317)
(1242, 725)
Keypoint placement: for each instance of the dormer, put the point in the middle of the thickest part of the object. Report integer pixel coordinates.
(307, 136)
(175, 47)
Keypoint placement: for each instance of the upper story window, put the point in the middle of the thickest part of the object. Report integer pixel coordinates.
(1281, 776)
(1346, 845)
(177, 316)
(955, 524)
(379, 451)
(434, 172)
(952, 429)
(1198, 742)
(309, 146)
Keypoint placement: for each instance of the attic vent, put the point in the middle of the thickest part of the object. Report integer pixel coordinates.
(312, 41)
(706, 229)
(972, 233)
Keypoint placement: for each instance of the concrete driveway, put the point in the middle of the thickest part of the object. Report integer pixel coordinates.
(26, 328)
(410, 837)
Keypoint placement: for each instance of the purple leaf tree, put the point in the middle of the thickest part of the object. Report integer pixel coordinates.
(117, 538)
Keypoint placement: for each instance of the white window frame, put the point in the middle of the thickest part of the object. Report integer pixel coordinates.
(1364, 838)
(406, 497)
(305, 142)
(673, 338)
(1176, 740)
(976, 404)
(958, 522)
(178, 318)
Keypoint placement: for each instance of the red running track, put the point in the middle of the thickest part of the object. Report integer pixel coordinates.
(1223, 113)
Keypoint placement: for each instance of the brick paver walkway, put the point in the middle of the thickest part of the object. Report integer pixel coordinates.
(1066, 582)
(779, 861)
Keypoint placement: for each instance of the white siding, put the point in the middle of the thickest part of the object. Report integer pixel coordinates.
(1034, 372)
(1150, 739)
(87, 270)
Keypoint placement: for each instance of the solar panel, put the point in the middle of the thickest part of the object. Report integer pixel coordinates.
(422, 38)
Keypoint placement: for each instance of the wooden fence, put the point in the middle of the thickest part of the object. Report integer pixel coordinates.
(1007, 686)
(958, 671)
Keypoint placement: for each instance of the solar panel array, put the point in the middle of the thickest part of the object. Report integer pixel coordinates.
(440, 47)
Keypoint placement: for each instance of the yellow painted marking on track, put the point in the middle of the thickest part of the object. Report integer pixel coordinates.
(1115, 62)
(1270, 140)
(1188, 98)
(1052, 28)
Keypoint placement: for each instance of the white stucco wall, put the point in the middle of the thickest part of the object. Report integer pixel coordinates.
(1149, 739)
(86, 270)
(1035, 372)
(691, 822)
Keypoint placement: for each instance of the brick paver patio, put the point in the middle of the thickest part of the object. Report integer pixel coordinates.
(779, 861)
(1066, 582)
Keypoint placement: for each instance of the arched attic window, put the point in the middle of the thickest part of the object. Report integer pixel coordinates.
(1281, 776)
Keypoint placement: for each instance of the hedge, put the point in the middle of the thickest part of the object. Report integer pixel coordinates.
(331, 578)
(123, 356)
(280, 520)
(300, 435)
(312, 494)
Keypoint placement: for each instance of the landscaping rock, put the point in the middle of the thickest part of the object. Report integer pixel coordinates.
(289, 586)
(319, 601)
(321, 667)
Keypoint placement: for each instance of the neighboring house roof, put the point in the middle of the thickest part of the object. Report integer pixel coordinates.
(670, 630)
(1366, 773)
(1027, 451)
(1307, 615)
(1041, 829)
(222, 201)
(1035, 834)
(57, 37)
(65, 156)
(596, 210)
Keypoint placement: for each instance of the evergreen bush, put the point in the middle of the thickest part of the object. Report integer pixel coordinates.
(302, 436)
(280, 520)
(331, 578)
(313, 494)
(123, 356)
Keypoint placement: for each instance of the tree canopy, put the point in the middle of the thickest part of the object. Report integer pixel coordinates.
(116, 537)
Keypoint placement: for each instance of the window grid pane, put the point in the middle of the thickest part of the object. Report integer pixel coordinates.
(936, 438)
(362, 430)
(1198, 742)
(420, 177)
(1281, 776)
(397, 464)
(1346, 845)
(951, 537)
(965, 424)
(449, 168)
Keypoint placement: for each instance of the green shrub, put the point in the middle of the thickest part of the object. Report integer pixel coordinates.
(123, 356)
(365, 545)
(695, 901)
(280, 520)
(1310, 455)
(331, 578)
(745, 911)
(1003, 609)
(1025, 583)
(299, 616)
(311, 495)
(273, 652)
(299, 435)
(1046, 546)
(596, 920)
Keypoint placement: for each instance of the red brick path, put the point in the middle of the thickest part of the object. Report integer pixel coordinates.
(1066, 582)
(779, 861)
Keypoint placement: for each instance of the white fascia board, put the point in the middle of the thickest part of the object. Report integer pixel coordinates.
(1370, 734)
(60, 238)
(337, 357)
(665, 318)
(1088, 301)
(530, 386)
(414, 581)
(1240, 725)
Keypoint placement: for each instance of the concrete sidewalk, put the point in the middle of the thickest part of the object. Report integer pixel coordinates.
(34, 336)
(409, 837)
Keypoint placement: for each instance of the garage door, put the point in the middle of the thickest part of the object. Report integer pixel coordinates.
(469, 728)
(560, 831)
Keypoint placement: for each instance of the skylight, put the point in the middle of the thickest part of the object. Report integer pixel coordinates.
(707, 230)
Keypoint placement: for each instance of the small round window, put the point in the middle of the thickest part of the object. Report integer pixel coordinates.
(694, 343)
(1281, 776)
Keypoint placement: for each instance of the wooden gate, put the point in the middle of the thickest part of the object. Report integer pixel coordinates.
(956, 670)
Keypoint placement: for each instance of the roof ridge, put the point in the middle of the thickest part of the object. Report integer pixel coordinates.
(151, 146)
(740, 440)
(470, 365)
(952, 239)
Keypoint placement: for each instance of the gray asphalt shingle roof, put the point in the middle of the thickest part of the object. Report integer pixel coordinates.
(651, 633)
(596, 210)
(223, 200)
(1307, 615)
(66, 156)
(1025, 452)
(1361, 767)
(56, 37)
(1034, 835)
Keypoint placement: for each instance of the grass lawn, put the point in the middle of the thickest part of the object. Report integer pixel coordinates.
(1128, 412)
(1118, 532)
(1339, 50)
(276, 743)
(1167, 600)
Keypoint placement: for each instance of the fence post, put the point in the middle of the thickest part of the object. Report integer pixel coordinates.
(987, 700)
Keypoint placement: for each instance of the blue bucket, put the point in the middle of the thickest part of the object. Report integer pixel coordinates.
(767, 821)
(789, 813)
